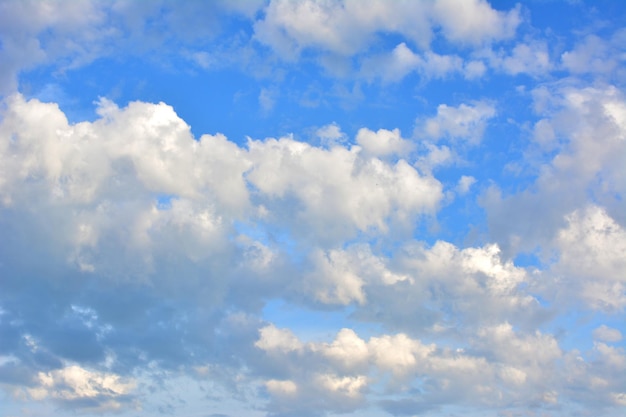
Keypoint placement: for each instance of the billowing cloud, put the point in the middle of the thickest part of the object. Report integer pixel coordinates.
(465, 122)
(312, 259)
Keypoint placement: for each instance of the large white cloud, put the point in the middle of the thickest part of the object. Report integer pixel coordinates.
(501, 366)
(348, 27)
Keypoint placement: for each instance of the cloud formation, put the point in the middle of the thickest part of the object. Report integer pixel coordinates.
(413, 208)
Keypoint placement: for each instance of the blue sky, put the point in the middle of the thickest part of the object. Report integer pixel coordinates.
(312, 208)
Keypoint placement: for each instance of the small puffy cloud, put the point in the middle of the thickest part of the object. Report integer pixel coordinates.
(474, 69)
(465, 183)
(393, 67)
(279, 388)
(99, 391)
(593, 55)
(348, 350)
(475, 21)
(607, 334)
(466, 122)
(273, 339)
(383, 142)
(347, 386)
(331, 135)
(402, 61)
(530, 59)
(267, 100)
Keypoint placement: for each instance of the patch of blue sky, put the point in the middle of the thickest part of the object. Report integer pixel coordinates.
(574, 330)
(316, 325)
(164, 201)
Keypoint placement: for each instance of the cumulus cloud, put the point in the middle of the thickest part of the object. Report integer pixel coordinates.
(583, 134)
(139, 259)
(465, 122)
(501, 365)
(402, 61)
(465, 183)
(73, 383)
(339, 27)
(532, 58)
(475, 21)
(347, 27)
(607, 334)
(150, 231)
(594, 55)
(383, 142)
(592, 250)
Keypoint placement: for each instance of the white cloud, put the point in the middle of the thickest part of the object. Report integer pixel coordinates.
(348, 386)
(530, 59)
(501, 365)
(339, 27)
(334, 281)
(267, 100)
(594, 55)
(465, 183)
(607, 334)
(281, 388)
(273, 339)
(103, 392)
(348, 28)
(593, 258)
(383, 142)
(475, 21)
(340, 191)
(331, 135)
(73, 36)
(467, 122)
(348, 350)
(138, 259)
(401, 61)
(582, 133)
(474, 69)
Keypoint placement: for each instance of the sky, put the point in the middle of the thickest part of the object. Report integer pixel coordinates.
(312, 208)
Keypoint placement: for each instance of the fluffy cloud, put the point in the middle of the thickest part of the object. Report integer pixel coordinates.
(475, 21)
(582, 138)
(401, 61)
(338, 27)
(382, 143)
(501, 365)
(132, 207)
(595, 55)
(73, 383)
(333, 188)
(466, 122)
(592, 251)
(141, 265)
(347, 27)
(607, 334)
(530, 58)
